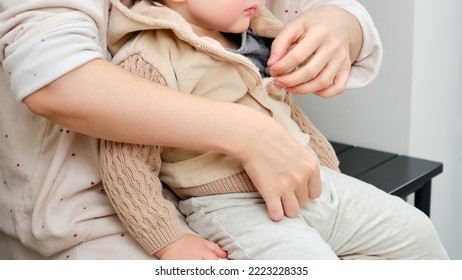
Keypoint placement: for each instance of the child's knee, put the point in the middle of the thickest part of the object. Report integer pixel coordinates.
(427, 238)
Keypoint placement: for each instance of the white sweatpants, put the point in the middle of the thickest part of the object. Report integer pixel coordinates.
(350, 218)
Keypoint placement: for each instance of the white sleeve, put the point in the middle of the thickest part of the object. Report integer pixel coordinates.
(41, 40)
(367, 65)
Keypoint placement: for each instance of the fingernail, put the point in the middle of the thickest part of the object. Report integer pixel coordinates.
(278, 84)
(272, 59)
(291, 90)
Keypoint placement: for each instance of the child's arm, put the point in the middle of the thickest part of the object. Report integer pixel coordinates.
(130, 178)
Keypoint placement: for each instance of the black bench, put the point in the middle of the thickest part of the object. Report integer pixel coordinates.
(396, 174)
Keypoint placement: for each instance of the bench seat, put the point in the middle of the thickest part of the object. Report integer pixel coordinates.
(395, 174)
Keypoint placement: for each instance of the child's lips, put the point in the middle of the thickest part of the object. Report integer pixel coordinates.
(251, 11)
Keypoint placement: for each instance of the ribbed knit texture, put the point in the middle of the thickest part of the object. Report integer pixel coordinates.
(239, 182)
(318, 141)
(130, 176)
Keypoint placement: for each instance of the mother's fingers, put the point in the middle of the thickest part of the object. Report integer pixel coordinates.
(290, 204)
(330, 77)
(315, 185)
(307, 72)
(289, 54)
(274, 206)
(337, 87)
(302, 195)
(318, 72)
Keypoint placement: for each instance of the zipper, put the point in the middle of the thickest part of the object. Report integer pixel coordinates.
(266, 81)
(232, 57)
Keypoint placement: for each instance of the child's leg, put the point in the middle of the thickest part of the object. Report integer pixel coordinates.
(240, 224)
(368, 221)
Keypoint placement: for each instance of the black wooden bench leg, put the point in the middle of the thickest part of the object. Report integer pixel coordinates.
(423, 197)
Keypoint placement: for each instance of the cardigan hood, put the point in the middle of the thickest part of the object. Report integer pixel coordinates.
(132, 16)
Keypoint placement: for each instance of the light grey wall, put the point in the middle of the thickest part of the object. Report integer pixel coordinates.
(436, 119)
(414, 106)
(380, 111)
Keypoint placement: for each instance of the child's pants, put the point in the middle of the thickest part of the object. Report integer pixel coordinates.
(350, 218)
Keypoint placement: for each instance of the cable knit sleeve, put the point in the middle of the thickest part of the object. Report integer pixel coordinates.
(130, 178)
(318, 141)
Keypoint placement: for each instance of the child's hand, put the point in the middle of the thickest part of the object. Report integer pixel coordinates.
(191, 247)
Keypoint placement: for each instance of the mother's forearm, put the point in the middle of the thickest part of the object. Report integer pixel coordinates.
(102, 100)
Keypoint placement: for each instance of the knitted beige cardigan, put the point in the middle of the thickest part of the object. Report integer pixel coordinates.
(136, 191)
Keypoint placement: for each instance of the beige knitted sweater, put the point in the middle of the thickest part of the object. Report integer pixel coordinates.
(131, 173)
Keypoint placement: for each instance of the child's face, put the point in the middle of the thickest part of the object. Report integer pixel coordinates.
(231, 16)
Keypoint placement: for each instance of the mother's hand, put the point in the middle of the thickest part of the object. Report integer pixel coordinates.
(322, 44)
(284, 172)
